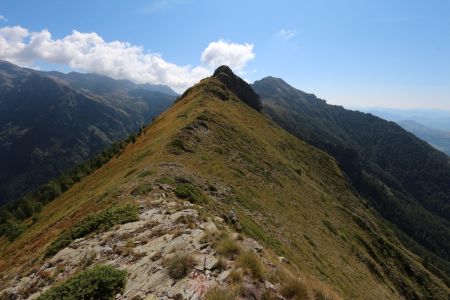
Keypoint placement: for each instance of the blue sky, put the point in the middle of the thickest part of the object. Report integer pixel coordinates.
(352, 53)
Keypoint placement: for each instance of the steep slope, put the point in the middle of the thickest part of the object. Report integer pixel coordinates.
(235, 165)
(440, 139)
(48, 126)
(404, 178)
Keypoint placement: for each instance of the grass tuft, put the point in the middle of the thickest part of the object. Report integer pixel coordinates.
(227, 247)
(250, 261)
(294, 288)
(216, 293)
(179, 266)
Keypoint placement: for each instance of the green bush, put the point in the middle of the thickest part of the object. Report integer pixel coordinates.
(102, 220)
(100, 282)
(179, 266)
(11, 229)
(189, 192)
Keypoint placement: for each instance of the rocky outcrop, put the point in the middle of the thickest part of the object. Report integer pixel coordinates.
(167, 227)
(239, 87)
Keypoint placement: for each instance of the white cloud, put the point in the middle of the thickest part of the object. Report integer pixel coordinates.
(236, 56)
(287, 34)
(3, 18)
(89, 52)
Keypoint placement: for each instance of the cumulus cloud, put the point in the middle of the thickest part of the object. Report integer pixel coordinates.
(89, 52)
(287, 34)
(236, 56)
(3, 18)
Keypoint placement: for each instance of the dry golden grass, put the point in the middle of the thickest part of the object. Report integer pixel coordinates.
(216, 293)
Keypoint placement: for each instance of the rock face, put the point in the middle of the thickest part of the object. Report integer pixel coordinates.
(239, 87)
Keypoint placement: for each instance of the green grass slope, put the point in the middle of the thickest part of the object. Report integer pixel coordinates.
(237, 164)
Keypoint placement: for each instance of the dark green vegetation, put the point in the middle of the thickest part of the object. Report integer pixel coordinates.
(14, 212)
(50, 122)
(99, 282)
(99, 221)
(405, 180)
(440, 139)
(189, 192)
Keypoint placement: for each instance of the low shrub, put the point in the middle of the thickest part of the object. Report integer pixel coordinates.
(11, 229)
(142, 190)
(189, 192)
(99, 221)
(100, 282)
(179, 266)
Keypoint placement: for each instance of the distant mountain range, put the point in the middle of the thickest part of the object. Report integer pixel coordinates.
(50, 121)
(431, 118)
(440, 139)
(432, 126)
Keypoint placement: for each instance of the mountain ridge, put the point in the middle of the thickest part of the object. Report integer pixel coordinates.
(234, 163)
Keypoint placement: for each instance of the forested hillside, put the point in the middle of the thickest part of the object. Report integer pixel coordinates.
(50, 122)
(404, 178)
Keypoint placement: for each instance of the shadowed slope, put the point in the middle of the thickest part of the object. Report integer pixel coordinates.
(50, 122)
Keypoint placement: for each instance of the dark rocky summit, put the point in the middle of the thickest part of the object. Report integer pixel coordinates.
(238, 86)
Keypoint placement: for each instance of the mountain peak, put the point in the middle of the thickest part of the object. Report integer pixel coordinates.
(238, 86)
(223, 69)
(273, 82)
